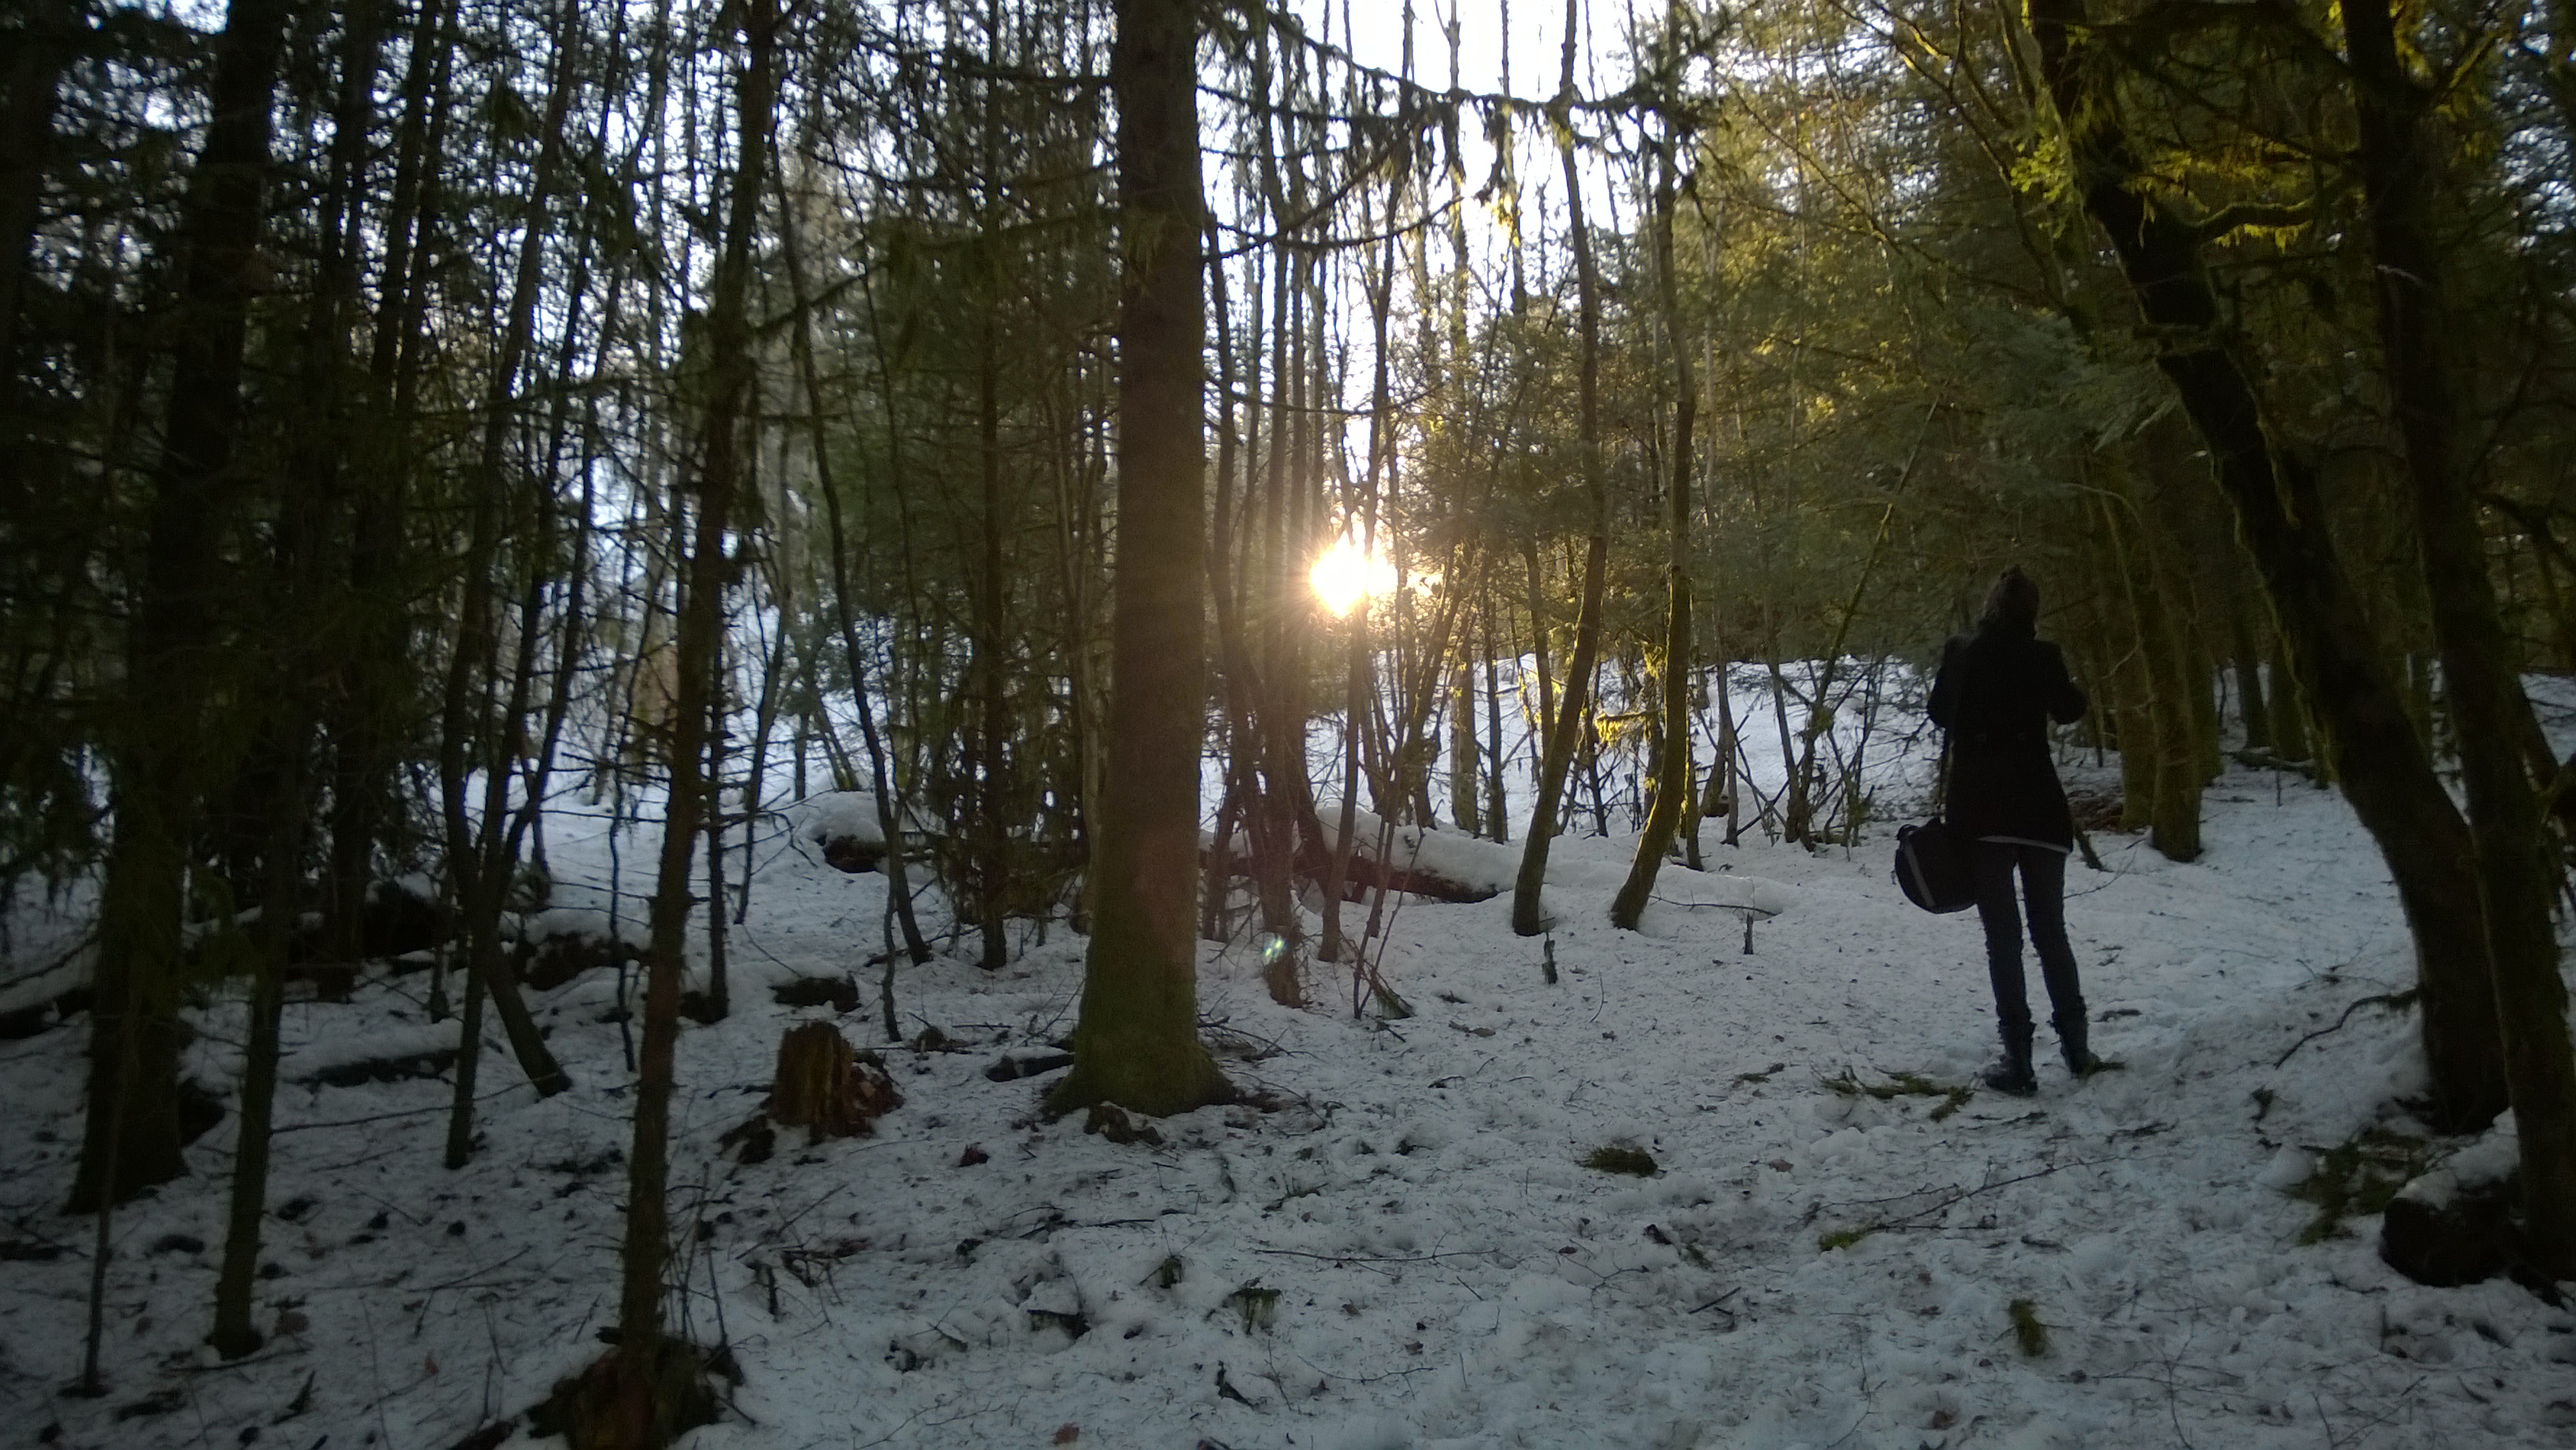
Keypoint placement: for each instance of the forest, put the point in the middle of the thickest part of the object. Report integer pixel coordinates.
(1072, 590)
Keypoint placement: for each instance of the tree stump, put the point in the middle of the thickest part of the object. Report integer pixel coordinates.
(826, 1087)
(2447, 1238)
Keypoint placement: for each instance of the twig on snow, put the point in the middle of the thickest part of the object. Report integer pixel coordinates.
(2394, 1001)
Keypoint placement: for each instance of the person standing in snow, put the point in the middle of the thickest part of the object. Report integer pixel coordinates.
(1997, 691)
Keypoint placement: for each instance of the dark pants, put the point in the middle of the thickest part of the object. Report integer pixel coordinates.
(2043, 882)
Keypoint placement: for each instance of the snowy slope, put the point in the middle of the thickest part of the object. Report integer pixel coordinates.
(1412, 1252)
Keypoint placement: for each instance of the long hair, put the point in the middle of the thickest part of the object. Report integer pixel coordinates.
(2014, 601)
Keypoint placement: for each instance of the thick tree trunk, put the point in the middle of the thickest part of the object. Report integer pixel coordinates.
(2517, 875)
(156, 747)
(1136, 1041)
(2281, 520)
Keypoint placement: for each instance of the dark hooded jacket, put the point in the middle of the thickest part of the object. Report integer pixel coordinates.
(1996, 693)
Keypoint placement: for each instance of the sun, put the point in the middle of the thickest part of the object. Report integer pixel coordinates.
(1346, 575)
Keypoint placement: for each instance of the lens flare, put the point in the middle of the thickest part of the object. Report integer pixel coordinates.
(1346, 575)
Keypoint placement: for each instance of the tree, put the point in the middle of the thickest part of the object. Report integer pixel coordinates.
(2385, 769)
(1136, 1040)
(2518, 878)
(1673, 776)
(160, 761)
(645, 1408)
(1528, 915)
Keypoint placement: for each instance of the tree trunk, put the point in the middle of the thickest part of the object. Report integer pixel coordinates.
(2173, 779)
(1673, 778)
(302, 647)
(361, 718)
(1241, 806)
(2517, 875)
(157, 744)
(1279, 718)
(1136, 1040)
(2290, 736)
(1724, 778)
(1497, 804)
(1466, 754)
(844, 613)
(2281, 520)
(1528, 917)
(718, 1001)
(1543, 725)
(2251, 705)
(481, 854)
(992, 826)
(700, 638)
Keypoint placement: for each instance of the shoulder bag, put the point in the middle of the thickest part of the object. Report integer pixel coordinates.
(1932, 859)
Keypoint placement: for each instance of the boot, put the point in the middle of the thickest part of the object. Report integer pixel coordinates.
(2011, 1073)
(2071, 1040)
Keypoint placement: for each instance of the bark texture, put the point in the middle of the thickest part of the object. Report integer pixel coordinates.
(1136, 1041)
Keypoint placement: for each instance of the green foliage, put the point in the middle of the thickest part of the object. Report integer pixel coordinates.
(1843, 1238)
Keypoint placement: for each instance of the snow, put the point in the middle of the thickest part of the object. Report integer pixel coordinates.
(582, 923)
(1410, 1252)
(1572, 878)
(840, 814)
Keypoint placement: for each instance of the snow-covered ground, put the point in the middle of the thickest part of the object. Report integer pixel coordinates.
(1412, 1251)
